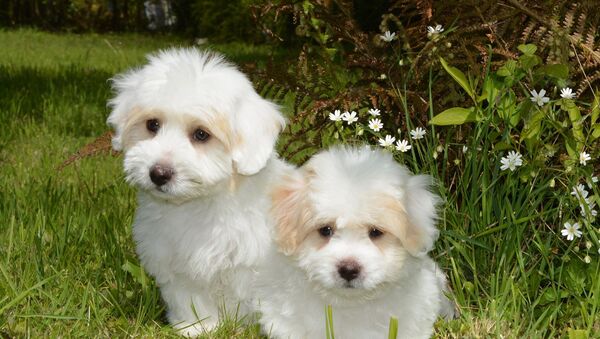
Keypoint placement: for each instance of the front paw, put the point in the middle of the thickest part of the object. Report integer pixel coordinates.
(193, 330)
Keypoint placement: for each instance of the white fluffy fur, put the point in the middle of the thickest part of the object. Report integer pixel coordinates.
(201, 234)
(353, 190)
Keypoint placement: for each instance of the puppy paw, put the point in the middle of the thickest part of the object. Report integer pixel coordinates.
(195, 329)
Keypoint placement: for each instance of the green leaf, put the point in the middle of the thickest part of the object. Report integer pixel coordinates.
(576, 122)
(454, 116)
(595, 108)
(596, 131)
(551, 295)
(575, 277)
(507, 109)
(331, 52)
(529, 61)
(507, 69)
(578, 334)
(557, 71)
(137, 272)
(490, 90)
(571, 149)
(459, 77)
(528, 49)
(532, 130)
(469, 286)
(502, 146)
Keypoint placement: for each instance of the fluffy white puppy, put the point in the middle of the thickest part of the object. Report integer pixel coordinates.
(354, 229)
(198, 143)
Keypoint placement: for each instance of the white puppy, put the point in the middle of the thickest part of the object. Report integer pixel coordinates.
(198, 143)
(354, 227)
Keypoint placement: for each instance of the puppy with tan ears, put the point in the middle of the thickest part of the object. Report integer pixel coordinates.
(354, 229)
(198, 144)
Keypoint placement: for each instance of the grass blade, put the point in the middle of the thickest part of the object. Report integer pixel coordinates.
(393, 329)
(329, 322)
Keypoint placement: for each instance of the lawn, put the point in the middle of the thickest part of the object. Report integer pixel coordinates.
(67, 261)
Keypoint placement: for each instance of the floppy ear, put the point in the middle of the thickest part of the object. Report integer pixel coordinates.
(421, 215)
(257, 125)
(290, 211)
(124, 86)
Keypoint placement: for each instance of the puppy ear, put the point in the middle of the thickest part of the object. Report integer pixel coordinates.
(289, 210)
(421, 214)
(257, 125)
(121, 105)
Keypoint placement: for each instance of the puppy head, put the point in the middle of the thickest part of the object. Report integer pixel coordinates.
(188, 121)
(352, 216)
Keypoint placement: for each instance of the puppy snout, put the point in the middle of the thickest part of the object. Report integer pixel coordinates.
(161, 174)
(349, 269)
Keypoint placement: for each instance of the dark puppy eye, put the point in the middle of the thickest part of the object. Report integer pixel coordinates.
(153, 125)
(326, 231)
(375, 233)
(200, 135)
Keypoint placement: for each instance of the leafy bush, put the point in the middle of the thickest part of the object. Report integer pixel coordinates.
(224, 21)
(345, 63)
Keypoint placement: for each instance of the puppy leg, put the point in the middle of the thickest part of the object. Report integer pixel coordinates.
(448, 309)
(189, 309)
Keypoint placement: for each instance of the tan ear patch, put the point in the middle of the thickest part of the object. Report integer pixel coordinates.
(291, 212)
(394, 219)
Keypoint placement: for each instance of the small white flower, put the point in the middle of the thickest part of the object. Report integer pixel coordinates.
(511, 161)
(587, 259)
(418, 133)
(375, 124)
(579, 192)
(374, 112)
(403, 146)
(590, 206)
(539, 99)
(335, 116)
(350, 117)
(388, 141)
(567, 93)
(594, 179)
(465, 148)
(388, 37)
(571, 231)
(584, 158)
(439, 149)
(435, 30)
(588, 244)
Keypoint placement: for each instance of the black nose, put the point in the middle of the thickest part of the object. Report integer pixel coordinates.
(349, 269)
(160, 174)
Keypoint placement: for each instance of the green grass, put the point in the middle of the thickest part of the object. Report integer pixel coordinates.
(67, 260)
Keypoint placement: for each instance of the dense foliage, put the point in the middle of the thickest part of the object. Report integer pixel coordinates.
(344, 63)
